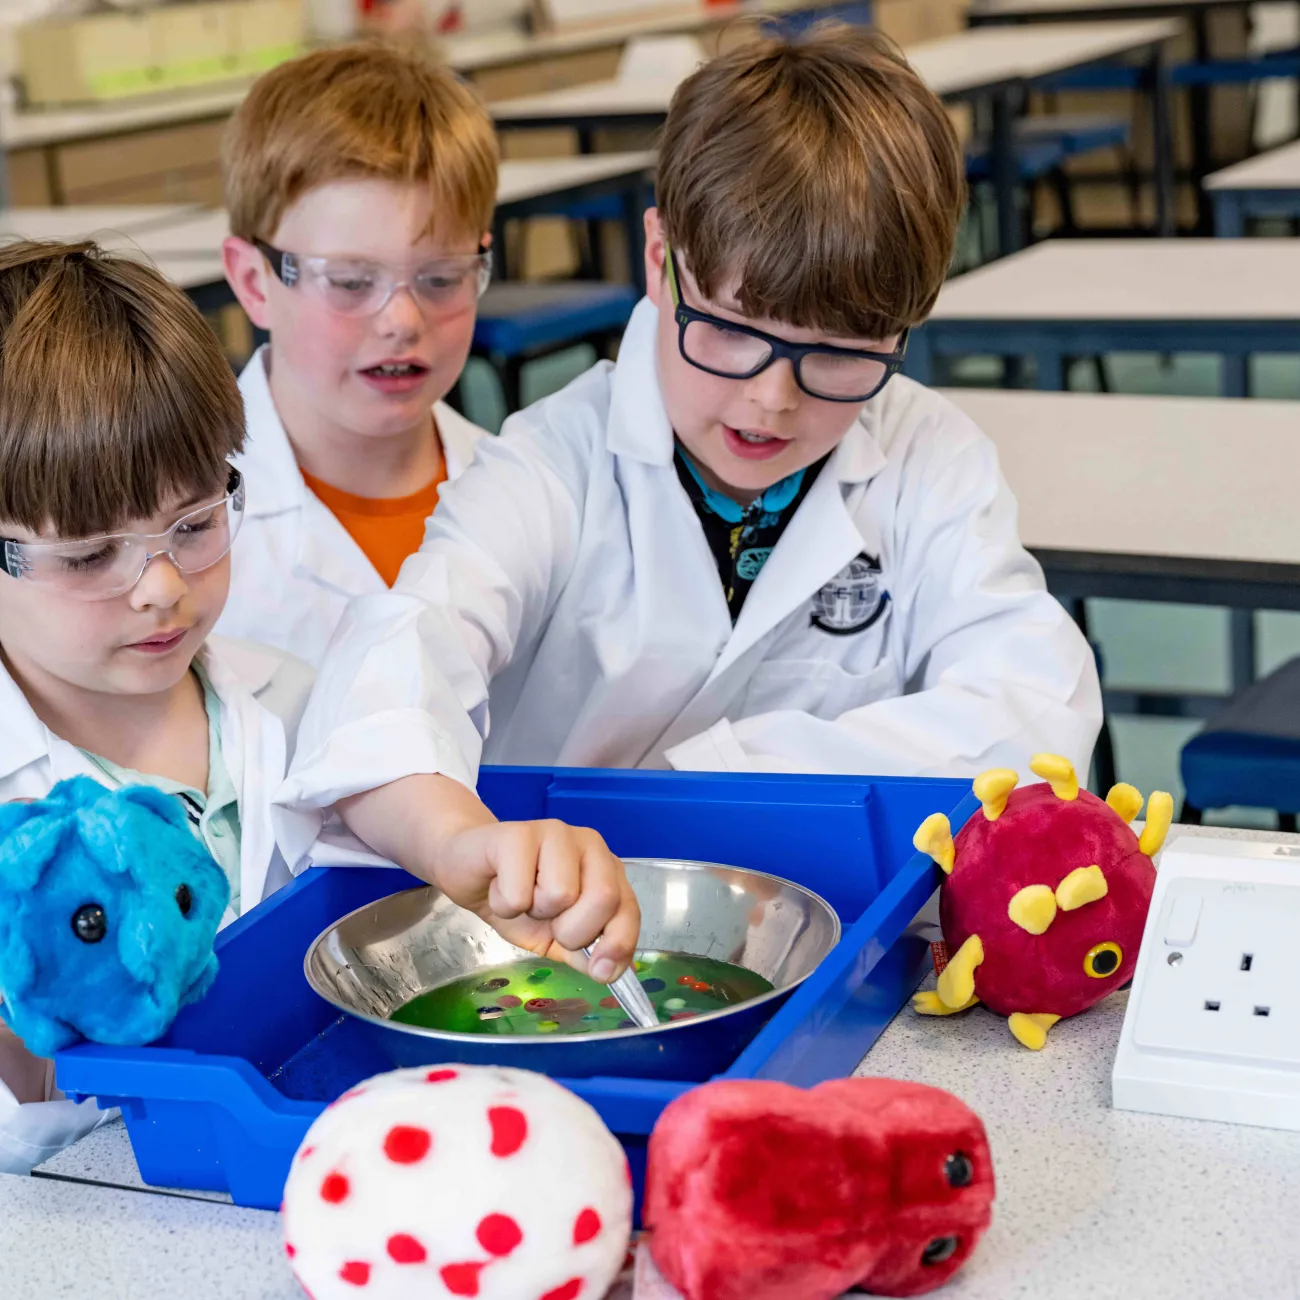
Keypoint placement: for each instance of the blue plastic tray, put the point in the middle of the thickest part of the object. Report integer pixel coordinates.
(224, 1100)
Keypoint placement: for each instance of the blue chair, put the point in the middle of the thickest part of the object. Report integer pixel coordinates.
(1248, 755)
(856, 13)
(1045, 144)
(518, 323)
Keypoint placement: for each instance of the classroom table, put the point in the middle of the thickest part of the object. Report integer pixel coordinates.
(184, 241)
(994, 65)
(1183, 499)
(88, 223)
(1196, 13)
(1092, 1203)
(476, 52)
(1267, 185)
(1078, 298)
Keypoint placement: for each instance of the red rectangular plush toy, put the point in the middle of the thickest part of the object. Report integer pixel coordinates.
(762, 1191)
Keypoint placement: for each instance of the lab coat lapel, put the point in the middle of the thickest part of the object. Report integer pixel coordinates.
(817, 543)
(25, 740)
(253, 747)
(675, 568)
(323, 550)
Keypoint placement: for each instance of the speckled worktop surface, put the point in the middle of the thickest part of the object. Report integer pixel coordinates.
(1093, 1204)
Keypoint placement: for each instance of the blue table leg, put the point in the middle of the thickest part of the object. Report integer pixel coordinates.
(1051, 370)
(1229, 220)
(1242, 648)
(920, 357)
(1236, 374)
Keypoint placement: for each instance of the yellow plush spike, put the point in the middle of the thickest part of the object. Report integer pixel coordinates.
(1058, 772)
(993, 788)
(1124, 800)
(1083, 885)
(935, 838)
(1031, 1029)
(1033, 909)
(928, 1003)
(957, 983)
(1160, 814)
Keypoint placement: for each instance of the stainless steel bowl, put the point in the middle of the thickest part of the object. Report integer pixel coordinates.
(379, 957)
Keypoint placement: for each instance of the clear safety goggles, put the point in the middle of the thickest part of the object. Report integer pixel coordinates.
(99, 568)
(351, 287)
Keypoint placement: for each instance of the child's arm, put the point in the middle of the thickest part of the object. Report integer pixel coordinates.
(997, 669)
(393, 734)
(548, 887)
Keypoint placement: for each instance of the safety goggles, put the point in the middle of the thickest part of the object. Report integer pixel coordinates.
(99, 568)
(353, 287)
(734, 351)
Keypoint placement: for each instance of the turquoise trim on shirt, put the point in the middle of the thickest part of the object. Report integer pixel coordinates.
(772, 502)
(218, 808)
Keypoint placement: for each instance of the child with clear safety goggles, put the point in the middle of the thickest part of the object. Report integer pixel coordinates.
(360, 183)
(118, 507)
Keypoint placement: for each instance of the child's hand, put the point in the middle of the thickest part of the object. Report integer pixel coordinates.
(545, 886)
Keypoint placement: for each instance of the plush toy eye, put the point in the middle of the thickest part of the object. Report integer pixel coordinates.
(939, 1251)
(958, 1170)
(184, 899)
(89, 923)
(1103, 960)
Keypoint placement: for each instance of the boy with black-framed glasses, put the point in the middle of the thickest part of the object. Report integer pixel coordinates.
(745, 546)
(118, 506)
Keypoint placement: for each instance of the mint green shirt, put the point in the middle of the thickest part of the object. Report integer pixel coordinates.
(214, 815)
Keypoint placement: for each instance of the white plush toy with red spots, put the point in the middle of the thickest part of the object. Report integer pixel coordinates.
(458, 1180)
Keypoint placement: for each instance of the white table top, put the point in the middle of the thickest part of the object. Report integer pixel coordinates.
(85, 222)
(185, 241)
(1277, 169)
(1048, 8)
(32, 128)
(1092, 1204)
(1132, 280)
(473, 53)
(956, 65)
(1199, 477)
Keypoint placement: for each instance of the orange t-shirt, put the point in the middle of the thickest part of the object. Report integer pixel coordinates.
(387, 529)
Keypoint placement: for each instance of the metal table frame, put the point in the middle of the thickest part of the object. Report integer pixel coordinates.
(1196, 13)
(1051, 342)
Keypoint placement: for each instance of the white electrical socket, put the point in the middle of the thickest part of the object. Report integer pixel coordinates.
(1212, 1029)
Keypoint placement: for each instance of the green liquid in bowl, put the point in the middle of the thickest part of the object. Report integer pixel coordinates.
(532, 996)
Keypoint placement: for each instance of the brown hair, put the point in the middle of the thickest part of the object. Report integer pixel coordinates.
(364, 111)
(822, 174)
(114, 393)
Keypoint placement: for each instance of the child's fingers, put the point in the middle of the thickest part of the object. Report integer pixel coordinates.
(614, 953)
(606, 910)
(513, 854)
(559, 872)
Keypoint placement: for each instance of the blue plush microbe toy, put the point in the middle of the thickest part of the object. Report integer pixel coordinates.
(108, 908)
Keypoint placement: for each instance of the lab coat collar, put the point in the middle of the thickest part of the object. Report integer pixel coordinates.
(24, 738)
(268, 454)
(267, 460)
(639, 428)
(324, 551)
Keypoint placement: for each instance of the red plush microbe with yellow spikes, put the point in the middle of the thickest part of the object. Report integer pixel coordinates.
(1045, 897)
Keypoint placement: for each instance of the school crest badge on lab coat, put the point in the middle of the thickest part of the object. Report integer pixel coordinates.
(852, 600)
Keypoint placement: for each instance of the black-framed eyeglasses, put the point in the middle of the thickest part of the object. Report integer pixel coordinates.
(733, 351)
(99, 568)
(351, 286)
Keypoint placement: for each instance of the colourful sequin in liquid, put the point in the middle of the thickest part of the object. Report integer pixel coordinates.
(537, 997)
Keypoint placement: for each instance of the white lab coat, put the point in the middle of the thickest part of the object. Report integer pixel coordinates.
(294, 567)
(262, 694)
(565, 594)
